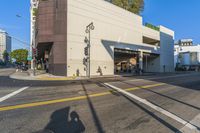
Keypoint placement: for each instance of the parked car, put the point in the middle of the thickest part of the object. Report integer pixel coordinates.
(24, 67)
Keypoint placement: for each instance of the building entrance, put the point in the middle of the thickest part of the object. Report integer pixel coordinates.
(125, 61)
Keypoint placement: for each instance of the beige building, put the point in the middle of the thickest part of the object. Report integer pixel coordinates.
(119, 37)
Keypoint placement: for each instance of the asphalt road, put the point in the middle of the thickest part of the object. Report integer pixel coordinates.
(141, 104)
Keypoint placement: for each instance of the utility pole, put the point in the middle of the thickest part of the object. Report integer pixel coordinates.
(35, 52)
(87, 60)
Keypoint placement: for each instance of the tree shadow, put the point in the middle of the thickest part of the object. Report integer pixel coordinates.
(62, 121)
(187, 81)
(152, 114)
(163, 95)
(171, 98)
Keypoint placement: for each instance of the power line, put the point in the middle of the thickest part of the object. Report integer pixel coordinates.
(15, 38)
(23, 42)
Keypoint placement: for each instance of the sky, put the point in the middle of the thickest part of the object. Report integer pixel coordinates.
(16, 27)
(182, 16)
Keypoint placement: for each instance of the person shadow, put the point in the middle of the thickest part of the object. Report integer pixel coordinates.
(75, 124)
(63, 122)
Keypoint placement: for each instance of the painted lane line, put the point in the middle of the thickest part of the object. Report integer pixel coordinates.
(13, 93)
(42, 103)
(157, 108)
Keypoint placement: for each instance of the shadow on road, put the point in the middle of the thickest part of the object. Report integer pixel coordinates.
(150, 113)
(163, 95)
(62, 121)
(187, 81)
(92, 109)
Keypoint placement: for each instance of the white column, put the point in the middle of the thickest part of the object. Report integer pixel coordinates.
(141, 60)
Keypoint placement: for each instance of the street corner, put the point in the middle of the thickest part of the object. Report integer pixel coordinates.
(21, 75)
(24, 75)
(48, 77)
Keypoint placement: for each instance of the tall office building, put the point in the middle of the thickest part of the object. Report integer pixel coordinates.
(5, 43)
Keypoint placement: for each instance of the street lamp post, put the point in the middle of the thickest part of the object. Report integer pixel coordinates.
(34, 53)
(88, 42)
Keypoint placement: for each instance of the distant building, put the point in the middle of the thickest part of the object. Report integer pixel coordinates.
(5, 43)
(186, 54)
(185, 42)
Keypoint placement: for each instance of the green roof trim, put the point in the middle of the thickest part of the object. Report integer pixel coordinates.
(152, 26)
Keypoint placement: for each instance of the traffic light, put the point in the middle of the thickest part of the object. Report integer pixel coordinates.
(85, 61)
(86, 51)
(35, 52)
(86, 40)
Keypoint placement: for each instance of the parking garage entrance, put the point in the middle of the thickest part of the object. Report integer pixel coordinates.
(125, 61)
(129, 61)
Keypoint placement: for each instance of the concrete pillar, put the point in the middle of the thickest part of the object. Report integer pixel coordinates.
(146, 63)
(141, 61)
(32, 64)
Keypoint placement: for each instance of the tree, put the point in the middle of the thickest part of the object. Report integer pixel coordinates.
(20, 55)
(135, 6)
(5, 56)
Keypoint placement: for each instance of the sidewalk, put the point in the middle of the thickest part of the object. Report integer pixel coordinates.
(43, 76)
(52, 77)
(21, 75)
(27, 75)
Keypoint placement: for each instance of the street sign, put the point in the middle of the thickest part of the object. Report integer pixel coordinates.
(29, 58)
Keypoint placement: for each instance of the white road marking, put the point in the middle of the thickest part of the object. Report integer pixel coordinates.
(159, 109)
(13, 93)
(195, 121)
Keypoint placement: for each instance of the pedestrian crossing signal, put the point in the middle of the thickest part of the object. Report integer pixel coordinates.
(85, 61)
(86, 51)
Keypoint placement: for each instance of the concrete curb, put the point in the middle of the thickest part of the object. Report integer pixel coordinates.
(15, 76)
(46, 77)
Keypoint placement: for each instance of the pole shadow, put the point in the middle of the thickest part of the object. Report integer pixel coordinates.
(93, 111)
